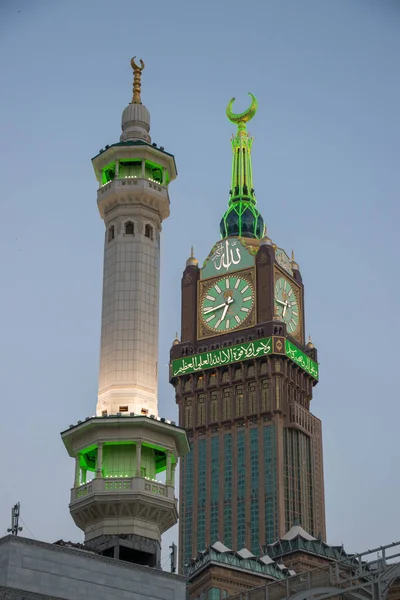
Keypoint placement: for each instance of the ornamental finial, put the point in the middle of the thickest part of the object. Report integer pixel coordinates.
(292, 255)
(137, 74)
(242, 118)
(191, 252)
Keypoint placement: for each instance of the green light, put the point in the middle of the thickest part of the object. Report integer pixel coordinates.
(223, 356)
(240, 352)
(108, 173)
(242, 219)
(301, 359)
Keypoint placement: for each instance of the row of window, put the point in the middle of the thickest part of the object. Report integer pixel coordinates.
(129, 229)
(214, 378)
(196, 414)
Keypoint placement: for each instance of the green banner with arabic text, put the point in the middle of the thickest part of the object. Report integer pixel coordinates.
(246, 351)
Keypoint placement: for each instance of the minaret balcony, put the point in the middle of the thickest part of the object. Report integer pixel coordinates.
(133, 191)
(100, 506)
(122, 485)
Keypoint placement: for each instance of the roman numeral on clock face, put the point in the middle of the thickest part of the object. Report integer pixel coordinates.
(237, 318)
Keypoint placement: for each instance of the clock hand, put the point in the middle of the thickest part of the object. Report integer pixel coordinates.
(224, 313)
(212, 308)
(280, 302)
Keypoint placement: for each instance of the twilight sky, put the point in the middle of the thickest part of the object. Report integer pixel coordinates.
(326, 175)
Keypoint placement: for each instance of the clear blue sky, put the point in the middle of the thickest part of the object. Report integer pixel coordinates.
(326, 173)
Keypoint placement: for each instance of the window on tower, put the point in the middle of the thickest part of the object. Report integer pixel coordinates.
(201, 410)
(148, 231)
(188, 414)
(239, 401)
(265, 395)
(226, 404)
(111, 233)
(214, 407)
(129, 228)
(252, 399)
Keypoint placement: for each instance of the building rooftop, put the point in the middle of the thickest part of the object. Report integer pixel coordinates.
(34, 569)
(298, 539)
(243, 560)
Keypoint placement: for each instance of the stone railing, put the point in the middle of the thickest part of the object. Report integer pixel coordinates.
(127, 182)
(122, 485)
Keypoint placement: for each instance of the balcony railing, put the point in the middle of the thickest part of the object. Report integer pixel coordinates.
(126, 182)
(122, 485)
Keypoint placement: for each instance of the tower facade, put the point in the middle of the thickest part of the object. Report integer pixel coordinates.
(243, 376)
(125, 457)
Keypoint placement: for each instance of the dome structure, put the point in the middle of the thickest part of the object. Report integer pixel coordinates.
(192, 260)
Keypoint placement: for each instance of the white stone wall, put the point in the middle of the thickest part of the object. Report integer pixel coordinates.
(130, 312)
(32, 567)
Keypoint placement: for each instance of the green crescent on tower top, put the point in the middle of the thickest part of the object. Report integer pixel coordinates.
(245, 116)
(242, 219)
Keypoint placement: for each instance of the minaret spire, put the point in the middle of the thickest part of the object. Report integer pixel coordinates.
(135, 121)
(137, 76)
(242, 218)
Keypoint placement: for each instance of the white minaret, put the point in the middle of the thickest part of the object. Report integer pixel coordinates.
(123, 497)
(133, 201)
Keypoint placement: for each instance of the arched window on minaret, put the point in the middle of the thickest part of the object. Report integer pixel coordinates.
(148, 231)
(111, 233)
(129, 228)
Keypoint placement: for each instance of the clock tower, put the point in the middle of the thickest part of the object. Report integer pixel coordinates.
(244, 376)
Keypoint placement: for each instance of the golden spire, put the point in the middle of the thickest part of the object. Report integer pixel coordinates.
(137, 74)
(192, 260)
(292, 255)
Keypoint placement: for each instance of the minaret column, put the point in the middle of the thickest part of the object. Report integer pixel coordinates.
(138, 459)
(99, 463)
(77, 470)
(133, 207)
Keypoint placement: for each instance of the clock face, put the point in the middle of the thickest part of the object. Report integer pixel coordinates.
(286, 305)
(227, 303)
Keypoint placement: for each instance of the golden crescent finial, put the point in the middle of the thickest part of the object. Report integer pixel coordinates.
(137, 74)
(136, 67)
(245, 116)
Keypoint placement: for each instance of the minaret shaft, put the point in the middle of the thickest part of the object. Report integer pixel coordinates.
(129, 329)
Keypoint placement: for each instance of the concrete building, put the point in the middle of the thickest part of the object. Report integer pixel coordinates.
(32, 570)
